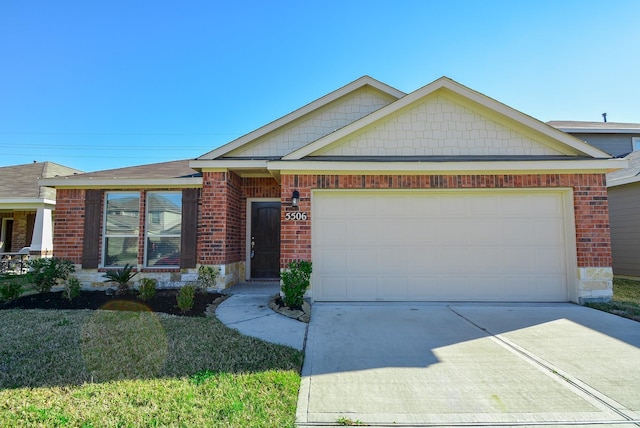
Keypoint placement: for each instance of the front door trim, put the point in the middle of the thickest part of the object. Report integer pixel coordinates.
(250, 201)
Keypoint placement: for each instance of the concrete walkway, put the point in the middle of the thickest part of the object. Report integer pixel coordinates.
(247, 311)
(470, 365)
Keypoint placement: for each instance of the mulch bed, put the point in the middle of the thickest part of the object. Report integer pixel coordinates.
(163, 301)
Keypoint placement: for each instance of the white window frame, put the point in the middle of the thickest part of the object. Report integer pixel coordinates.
(635, 143)
(105, 236)
(149, 220)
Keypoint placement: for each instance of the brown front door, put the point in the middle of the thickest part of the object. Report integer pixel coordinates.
(265, 240)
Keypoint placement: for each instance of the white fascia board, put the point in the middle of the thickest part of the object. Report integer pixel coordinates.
(224, 164)
(513, 167)
(25, 203)
(110, 183)
(623, 181)
(444, 82)
(296, 114)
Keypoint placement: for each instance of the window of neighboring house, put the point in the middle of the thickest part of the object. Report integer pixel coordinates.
(163, 229)
(121, 228)
(636, 143)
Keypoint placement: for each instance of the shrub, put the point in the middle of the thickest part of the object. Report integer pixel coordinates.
(71, 288)
(147, 289)
(207, 276)
(121, 276)
(185, 297)
(46, 273)
(295, 281)
(10, 290)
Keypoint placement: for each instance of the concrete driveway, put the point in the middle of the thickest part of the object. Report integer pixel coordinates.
(478, 364)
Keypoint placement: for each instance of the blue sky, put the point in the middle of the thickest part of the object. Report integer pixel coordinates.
(99, 85)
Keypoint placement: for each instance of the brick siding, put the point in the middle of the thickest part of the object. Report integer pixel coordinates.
(68, 229)
(590, 204)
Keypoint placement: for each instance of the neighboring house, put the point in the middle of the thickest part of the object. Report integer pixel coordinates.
(26, 208)
(617, 139)
(442, 194)
(623, 186)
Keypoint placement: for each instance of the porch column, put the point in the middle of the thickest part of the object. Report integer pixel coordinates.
(42, 240)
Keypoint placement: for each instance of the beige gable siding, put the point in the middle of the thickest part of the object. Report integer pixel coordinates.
(438, 127)
(624, 215)
(316, 125)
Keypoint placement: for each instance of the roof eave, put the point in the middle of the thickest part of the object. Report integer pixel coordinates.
(112, 183)
(453, 167)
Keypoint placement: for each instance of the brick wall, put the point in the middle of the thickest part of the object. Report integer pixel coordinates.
(220, 219)
(68, 229)
(590, 204)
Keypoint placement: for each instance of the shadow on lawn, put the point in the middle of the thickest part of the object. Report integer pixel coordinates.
(43, 348)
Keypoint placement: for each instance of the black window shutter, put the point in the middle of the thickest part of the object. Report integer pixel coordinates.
(189, 232)
(91, 241)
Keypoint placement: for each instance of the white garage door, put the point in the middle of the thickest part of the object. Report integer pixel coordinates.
(489, 245)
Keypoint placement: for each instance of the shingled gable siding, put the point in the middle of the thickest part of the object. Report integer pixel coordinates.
(590, 205)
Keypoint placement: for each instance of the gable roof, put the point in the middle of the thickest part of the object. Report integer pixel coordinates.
(358, 84)
(20, 182)
(163, 174)
(565, 144)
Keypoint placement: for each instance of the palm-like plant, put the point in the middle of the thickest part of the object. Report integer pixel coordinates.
(122, 276)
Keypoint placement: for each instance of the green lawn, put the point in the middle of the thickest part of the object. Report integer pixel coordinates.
(626, 299)
(106, 368)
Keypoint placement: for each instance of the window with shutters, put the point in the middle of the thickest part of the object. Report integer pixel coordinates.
(121, 228)
(163, 229)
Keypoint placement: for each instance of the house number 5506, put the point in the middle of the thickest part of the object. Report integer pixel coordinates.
(295, 216)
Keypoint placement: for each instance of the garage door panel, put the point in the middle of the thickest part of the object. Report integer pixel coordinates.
(334, 231)
(331, 259)
(432, 245)
(486, 259)
(360, 207)
(547, 232)
(421, 259)
(422, 207)
(453, 232)
(423, 287)
(519, 260)
(394, 259)
(334, 287)
(392, 232)
(392, 287)
(454, 207)
(362, 287)
(361, 232)
(549, 260)
(546, 206)
(486, 232)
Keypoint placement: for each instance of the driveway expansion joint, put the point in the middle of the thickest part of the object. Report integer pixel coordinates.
(593, 395)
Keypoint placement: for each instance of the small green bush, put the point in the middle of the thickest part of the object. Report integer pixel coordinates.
(10, 290)
(122, 277)
(147, 289)
(46, 273)
(186, 297)
(207, 276)
(71, 288)
(295, 281)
